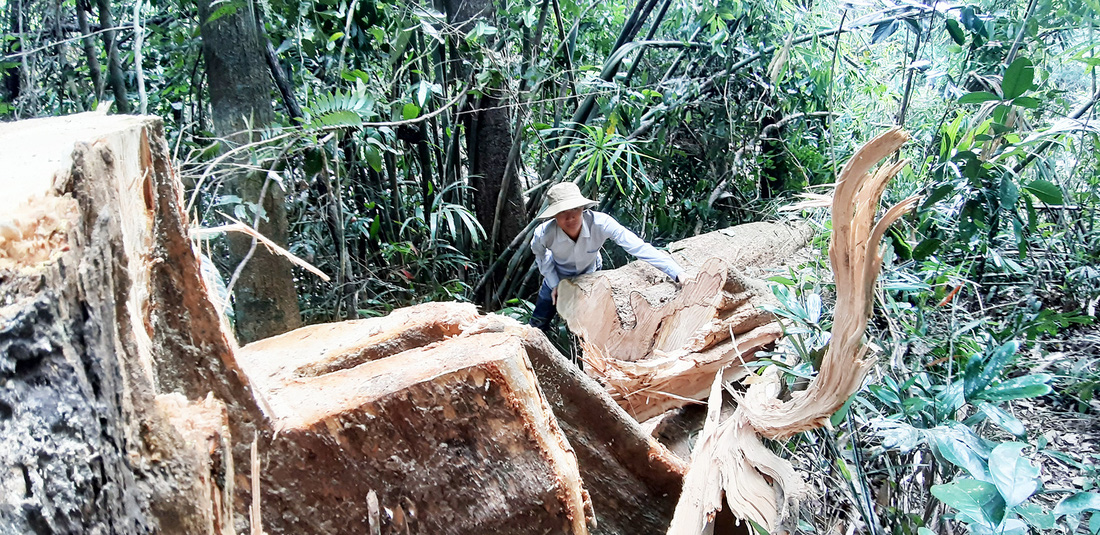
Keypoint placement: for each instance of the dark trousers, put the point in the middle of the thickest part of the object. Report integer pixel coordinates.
(544, 308)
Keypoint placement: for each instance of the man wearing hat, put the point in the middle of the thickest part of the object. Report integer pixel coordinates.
(569, 245)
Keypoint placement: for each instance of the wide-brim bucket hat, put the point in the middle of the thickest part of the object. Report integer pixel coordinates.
(562, 197)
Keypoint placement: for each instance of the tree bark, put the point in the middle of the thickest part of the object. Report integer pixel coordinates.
(488, 141)
(90, 54)
(110, 43)
(240, 87)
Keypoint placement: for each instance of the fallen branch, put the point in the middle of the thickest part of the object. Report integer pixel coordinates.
(274, 247)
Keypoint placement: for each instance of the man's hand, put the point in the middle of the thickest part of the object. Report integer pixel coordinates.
(554, 296)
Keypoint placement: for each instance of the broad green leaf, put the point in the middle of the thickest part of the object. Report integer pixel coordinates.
(410, 111)
(1008, 193)
(1011, 526)
(926, 248)
(1019, 77)
(1026, 102)
(956, 32)
(915, 404)
(838, 417)
(379, 34)
(970, 20)
(1003, 419)
(1013, 474)
(938, 194)
(973, 499)
(950, 399)
(335, 36)
(884, 30)
(813, 307)
(1028, 386)
(884, 394)
(844, 471)
(978, 96)
(422, 93)
(1045, 191)
(1034, 514)
(959, 447)
(981, 371)
(374, 157)
(1077, 504)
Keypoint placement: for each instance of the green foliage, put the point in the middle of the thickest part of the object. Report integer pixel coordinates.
(340, 109)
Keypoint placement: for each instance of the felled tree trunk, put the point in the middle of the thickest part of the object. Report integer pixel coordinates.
(108, 345)
(431, 420)
(656, 346)
(633, 480)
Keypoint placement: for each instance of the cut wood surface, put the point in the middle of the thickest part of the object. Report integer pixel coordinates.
(454, 422)
(731, 459)
(455, 436)
(656, 345)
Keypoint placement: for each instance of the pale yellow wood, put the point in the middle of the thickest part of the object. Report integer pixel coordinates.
(732, 461)
(656, 345)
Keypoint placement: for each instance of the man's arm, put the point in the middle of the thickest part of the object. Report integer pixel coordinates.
(544, 258)
(634, 245)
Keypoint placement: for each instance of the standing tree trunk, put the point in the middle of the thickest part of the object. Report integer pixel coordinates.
(117, 78)
(90, 54)
(12, 76)
(240, 87)
(488, 140)
(489, 159)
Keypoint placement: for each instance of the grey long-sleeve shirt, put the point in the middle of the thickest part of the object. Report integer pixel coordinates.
(557, 254)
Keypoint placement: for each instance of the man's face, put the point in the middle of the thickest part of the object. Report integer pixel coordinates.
(570, 221)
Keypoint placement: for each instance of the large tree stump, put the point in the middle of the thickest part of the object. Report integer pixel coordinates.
(102, 309)
(656, 346)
